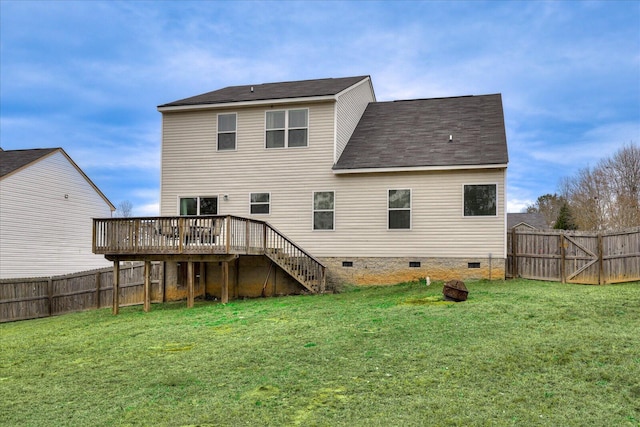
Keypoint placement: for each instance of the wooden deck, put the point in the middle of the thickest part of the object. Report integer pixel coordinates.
(202, 239)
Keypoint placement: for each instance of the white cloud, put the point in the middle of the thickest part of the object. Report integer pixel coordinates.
(517, 205)
(149, 209)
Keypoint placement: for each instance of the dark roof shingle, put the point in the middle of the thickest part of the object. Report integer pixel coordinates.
(266, 91)
(533, 219)
(415, 133)
(12, 160)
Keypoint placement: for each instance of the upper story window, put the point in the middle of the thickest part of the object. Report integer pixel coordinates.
(190, 206)
(227, 131)
(480, 200)
(323, 210)
(287, 128)
(260, 203)
(399, 206)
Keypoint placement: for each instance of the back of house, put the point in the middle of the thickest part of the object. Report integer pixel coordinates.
(379, 192)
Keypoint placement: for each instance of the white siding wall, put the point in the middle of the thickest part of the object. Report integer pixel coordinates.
(349, 109)
(41, 232)
(192, 167)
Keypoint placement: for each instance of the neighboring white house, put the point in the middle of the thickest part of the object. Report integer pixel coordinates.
(46, 208)
(381, 192)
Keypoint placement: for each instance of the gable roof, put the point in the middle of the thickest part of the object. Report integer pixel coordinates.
(12, 161)
(267, 91)
(533, 219)
(415, 134)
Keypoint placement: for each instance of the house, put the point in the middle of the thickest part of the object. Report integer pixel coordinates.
(304, 186)
(526, 221)
(46, 208)
(378, 192)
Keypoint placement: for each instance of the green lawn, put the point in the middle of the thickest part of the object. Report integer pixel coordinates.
(520, 353)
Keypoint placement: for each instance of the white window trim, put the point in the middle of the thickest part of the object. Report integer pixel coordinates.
(401, 209)
(313, 210)
(481, 216)
(286, 129)
(216, 196)
(235, 148)
(260, 203)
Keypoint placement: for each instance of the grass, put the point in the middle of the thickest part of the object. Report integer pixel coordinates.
(515, 353)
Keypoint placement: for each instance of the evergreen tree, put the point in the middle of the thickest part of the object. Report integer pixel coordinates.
(565, 220)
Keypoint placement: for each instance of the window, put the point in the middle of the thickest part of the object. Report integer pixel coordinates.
(480, 200)
(260, 203)
(190, 206)
(399, 209)
(286, 128)
(323, 210)
(226, 131)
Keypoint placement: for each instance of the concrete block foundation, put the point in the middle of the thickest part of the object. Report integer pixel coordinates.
(385, 271)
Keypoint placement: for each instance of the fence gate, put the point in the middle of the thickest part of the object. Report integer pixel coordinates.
(574, 256)
(581, 260)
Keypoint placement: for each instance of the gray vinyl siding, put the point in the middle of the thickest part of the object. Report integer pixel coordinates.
(349, 109)
(44, 233)
(193, 167)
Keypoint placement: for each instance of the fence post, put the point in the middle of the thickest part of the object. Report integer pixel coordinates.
(563, 255)
(514, 257)
(50, 295)
(98, 289)
(601, 279)
(147, 286)
(116, 287)
(161, 277)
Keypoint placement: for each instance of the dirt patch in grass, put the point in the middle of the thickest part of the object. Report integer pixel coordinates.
(430, 300)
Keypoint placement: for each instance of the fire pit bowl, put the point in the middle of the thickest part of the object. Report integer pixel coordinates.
(455, 290)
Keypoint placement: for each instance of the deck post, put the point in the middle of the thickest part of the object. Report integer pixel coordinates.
(224, 294)
(147, 286)
(236, 279)
(190, 284)
(116, 287)
(202, 282)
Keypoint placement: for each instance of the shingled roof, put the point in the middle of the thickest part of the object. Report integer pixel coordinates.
(12, 160)
(267, 91)
(416, 133)
(532, 219)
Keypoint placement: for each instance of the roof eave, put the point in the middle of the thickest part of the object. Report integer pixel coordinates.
(417, 169)
(239, 104)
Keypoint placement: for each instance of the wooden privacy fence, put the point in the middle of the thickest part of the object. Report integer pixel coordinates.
(22, 299)
(574, 256)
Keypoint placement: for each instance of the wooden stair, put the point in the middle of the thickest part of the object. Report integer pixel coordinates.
(303, 269)
(299, 264)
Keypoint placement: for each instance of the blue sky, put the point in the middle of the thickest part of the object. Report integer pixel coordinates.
(87, 76)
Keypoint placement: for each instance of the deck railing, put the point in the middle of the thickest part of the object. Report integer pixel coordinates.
(211, 234)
